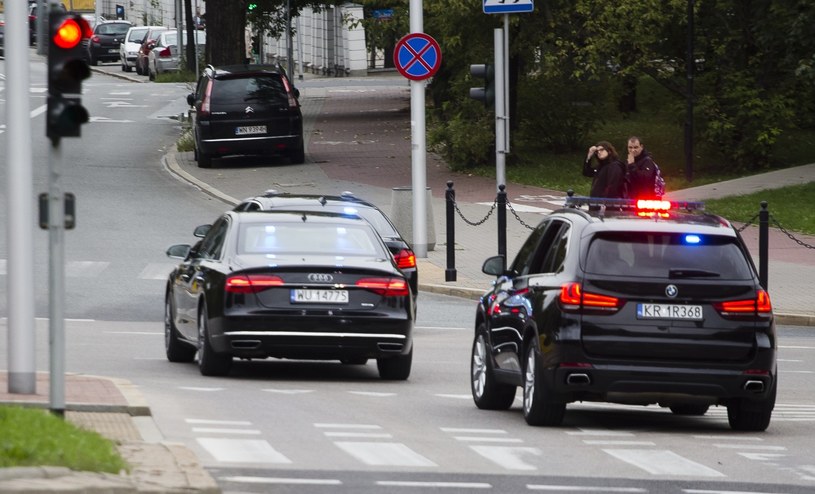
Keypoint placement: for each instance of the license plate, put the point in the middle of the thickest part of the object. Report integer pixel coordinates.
(308, 296)
(113, 50)
(251, 130)
(670, 311)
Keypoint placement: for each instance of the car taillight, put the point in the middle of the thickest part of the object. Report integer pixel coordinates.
(758, 306)
(164, 53)
(252, 283)
(574, 299)
(205, 101)
(292, 99)
(405, 259)
(387, 287)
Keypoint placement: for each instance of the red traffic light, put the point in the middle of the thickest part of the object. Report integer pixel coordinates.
(70, 32)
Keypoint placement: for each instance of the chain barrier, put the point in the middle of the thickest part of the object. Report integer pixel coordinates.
(777, 224)
(489, 213)
(476, 223)
(790, 235)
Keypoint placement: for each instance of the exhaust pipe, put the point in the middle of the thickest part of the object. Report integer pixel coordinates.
(390, 347)
(246, 344)
(754, 386)
(578, 379)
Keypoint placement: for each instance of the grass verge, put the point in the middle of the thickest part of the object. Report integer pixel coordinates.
(35, 437)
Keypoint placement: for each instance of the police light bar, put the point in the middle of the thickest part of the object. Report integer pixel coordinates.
(634, 204)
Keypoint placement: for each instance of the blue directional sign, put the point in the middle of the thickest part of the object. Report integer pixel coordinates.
(507, 6)
(417, 56)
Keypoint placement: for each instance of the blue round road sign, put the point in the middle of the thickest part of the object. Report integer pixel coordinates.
(417, 56)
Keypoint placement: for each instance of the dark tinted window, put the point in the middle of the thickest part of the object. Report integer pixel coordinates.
(236, 91)
(212, 245)
(112, 28)
(655, 254)
(309, 238)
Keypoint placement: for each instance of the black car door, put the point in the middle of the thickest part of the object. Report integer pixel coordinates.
(192, 276)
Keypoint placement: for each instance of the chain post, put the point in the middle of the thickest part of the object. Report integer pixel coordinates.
(450, 196)
(502, 222)
(763, 244)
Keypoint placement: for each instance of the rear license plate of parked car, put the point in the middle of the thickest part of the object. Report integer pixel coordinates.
(113, 50)
(670, 311)
(251, 130)
(306, 296)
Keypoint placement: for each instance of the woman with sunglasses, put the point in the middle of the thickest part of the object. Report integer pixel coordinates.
(609, 173)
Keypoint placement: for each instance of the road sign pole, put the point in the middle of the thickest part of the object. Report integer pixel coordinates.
(418, 145)
(56, 282)
(506, 82)
(500, 115)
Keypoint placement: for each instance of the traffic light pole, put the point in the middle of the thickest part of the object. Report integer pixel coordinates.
(500, 110)
(56, 281)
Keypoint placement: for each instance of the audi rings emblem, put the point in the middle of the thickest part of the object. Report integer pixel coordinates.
(671, 291)
(320, 278)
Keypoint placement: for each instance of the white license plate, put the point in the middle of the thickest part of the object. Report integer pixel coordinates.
(113, 50)
(251, 130)
(307, 296)
(670, 311)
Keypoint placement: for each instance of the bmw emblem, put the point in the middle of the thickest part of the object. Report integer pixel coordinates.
(671, 291)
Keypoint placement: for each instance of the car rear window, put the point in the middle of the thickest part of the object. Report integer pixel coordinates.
(261, 88)
(112, 28)
(659, 255)
(309, 238)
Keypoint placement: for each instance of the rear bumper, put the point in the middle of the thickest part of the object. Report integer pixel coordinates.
(320, 338)
(251, 145)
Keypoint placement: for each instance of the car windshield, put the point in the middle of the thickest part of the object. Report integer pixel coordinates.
(137, 35)
(238, 90)
(665, 255)
(112, 28)
(309, 238)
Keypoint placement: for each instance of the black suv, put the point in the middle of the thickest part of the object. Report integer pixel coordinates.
(246, 110)
(345, 203)
(634, 304)
(104, 43)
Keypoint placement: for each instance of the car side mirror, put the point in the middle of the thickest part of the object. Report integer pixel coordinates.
(296, 92)
(191, 99)
(178, 251)
(201, 230)
(495, 266)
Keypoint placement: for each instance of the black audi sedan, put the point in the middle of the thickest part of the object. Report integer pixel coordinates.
(307, 285)
(349, 204)
(638, 303)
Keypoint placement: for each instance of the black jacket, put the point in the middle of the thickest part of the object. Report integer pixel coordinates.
(641, 177)
(609, 178)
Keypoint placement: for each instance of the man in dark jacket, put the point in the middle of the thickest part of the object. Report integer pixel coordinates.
(641, 171)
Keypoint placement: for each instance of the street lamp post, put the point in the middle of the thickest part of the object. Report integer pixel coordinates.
(689, 63)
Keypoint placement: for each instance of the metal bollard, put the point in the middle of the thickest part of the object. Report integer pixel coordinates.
(450, 196)
(763, 244)
(502, 222)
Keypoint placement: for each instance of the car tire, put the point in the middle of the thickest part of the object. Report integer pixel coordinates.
(298, 156)
(92, 60)
(128, 68)
(487, 393)
(204, 160)
(690, 409)
(745, 414)
(210, 363)
(177, 351)
(139, 71)
(539, 406)
(124, 67)
(395, 368)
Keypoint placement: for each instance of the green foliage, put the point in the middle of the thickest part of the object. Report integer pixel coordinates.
(791, 207)
(34, 437)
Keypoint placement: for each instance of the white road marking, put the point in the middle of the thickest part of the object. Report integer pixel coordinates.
(346, 426)
(582, 488)
(280, 480)
(218, 430)
(762, 456)
(457, 397)
(489, 439)
(662, 462)
(750, 446)
(508, 457)
(289, 391)
(618, 443)
(384, 454)
(371, 393)
(242, 450)
(217, 422)
(369, 435)
(455, 485)
(85, 269)
(156, 271)
(472, 431)
(193, 388)
(598, 432)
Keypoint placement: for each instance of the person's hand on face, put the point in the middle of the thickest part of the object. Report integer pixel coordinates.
(634, 150)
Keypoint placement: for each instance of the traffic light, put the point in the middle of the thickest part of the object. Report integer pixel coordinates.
(67, 68)
(252, 6)
(484, 93)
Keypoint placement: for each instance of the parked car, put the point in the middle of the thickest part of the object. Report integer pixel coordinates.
(246, 110)
(305, 285)
(2, 36)
(164, 56)
(642, 305)
(147, 45)
(129, 49)
(104, 43)
(349, 204)
(32, 19)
